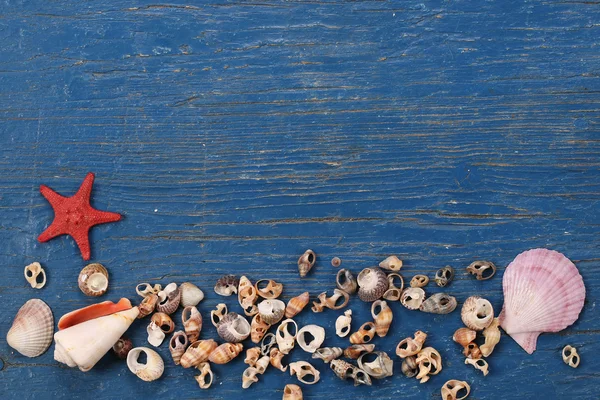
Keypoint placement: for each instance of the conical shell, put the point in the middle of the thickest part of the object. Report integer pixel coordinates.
(191, 294)
(383, 319)
(84, 344)
(543, 292)
(225, 353)
(306, 262)
(32, 330)
(296, 304)
(197, 353)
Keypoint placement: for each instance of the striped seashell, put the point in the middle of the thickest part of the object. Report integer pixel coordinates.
(32, 329)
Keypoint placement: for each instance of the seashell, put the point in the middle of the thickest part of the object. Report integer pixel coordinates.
(227, 285)
(492, 337)
(464, 336)
(205, 378)
(35, 275)
(345, 370)
(479, 364)
(439, 303)
(394, 292)
(249, 377)
(192, 322)
(191, 294)
(372, 284)
(155, 334)
(122, 347)
(409, 366)
(543, 292)
(306, 262)
(292, 392)
(452, 387)
(483, 270)
(346, 281)
(164, 322)
(225, 353)
(364, 334)
(271, 291)
(258, 328)
(262, 364)
(315, 332)
(271, 311)
(392, 263)
(217, 315)
(383, 318)
(412, 298)
(80, 345)
(168, 299)
(93, 311)
(276, 359)
(197, 353)
(381, 367)
(233, 328)
(252, 356)
(356, 350)
(285, 339)
(429, 362)
(151, 370)
(148, 305)
(247, 297)
(144, 289)
(177, 345)
(332, 302)
(343, 324)
(304, 370)
(32, 329)
(472, 351)
(336, 262)
(477, 313)
(296, 304)
(419, 281)
(411, 346)
(328, 354)
(570, 356)
(93, 280)
(268, 341)
(444, 276)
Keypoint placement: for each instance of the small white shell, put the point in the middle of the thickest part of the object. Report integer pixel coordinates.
(152, 370)
(32, 271)
(285, 339)
(318, 334)
(155, 334)
(302, 369)
(342, 324)
(191, 294)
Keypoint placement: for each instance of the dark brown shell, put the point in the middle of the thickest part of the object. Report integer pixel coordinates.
(409, 366)
(122, 347)
(372, 284)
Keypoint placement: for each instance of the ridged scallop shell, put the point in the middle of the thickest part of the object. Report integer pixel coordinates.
(227, 285)
(151, 370)
(477, 313)
(439, 303)
(271, 310)
(296, 304)
(543, 292)
(372, 284)
(233, 328)
(191, 294)
(32, 330)
(93, 280)
(225, 353)
(412, 298)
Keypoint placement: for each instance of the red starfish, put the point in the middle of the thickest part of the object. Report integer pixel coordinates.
(75, 216)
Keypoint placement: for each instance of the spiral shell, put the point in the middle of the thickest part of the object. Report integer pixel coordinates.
(205, 378)
(472, 351)
(192, 322)
(225, 353)
(122, 347)
(217, 315)
(303, 369)
(464, 336)
(429, 362)
(177, 345)
(249, 377)
(276, 359)
(412, 298)
(411, 346)
(168, 299)
(227, 285)
(252, 356)
(268, 341)
(477, 313)
(383, 318)
(356, 350)
(32, 272)
(296, 304)
(380, 367)
(271, 291)
(394, 292)
(332, 302)
(570, 356)
(328, 354)
(439, 303)
(306, 262)
(144, 289)
(343, 324)
(444, 276)
(492, 337)
(147, 305)
(32, 329)
(483, 270)
(164, 322)
(233, 328)
(247, 297)
(155, 334)
(191, 294)
(392, 263)
(409, 366)
(197, 353)
(372, 284)
(271, 310)
(452, 387)
(93, 280)
(152, 370)
(346, 281)
(344, 370)
(364, 335)
(285, 339)
(258, 328)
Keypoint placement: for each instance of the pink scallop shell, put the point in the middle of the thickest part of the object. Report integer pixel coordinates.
(543, 292)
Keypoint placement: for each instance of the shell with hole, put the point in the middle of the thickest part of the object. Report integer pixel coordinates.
(286, 339)
(306, 262)
(148, 305)
(392, 263)
(451, 389)
(477, 313)
(276, 359)
(296, 304)
(205, 378)
(419, 281)
(439, 303)
(345, 370)
(292, 392)
(492, 337)
(227, 285)
(144, 289)
(271, 291)
(151, 370)
(252, 356)
(225, 353)
(35, 275)
(258, 328)
(155, 334)
(197, 353)
(304, 371)
(381, 366)
(382, 315)
(570, 356)
(247, 297)
(364, 334)
(233, 328)
(271, 310)
(343, 323)
(412, 298)
(464, 336)
(444, 276)
(394, 291)
(177, 345)
(483, 270)
(328, 354)
(310, 338)
(338, 300)
(346, 281)
(217, 314)
(164, 322)
(411, 346)
(429, 362)
(356, 350)
(249, 376)
(191, 295)
(192, 322)
(479, 364)
(169, 299)
(32, 329)
(93, 280)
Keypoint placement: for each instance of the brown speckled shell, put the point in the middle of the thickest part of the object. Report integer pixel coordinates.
(122, 347)
(86, 280)
(227, 285)
(439, 303)
(233, 328)
(372, 284)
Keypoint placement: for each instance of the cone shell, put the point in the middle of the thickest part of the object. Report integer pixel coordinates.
(177, 346)
(93, 280)
(80, 345)
(151, 370)
(32, 330)
(296, 304)
(93, 311)
(372, 284)
(543, 292)
(477, 313)
(464, 336)
(197, 353)
(306, 262)
(191, 294)
(225, 353)
(383, 319)
(392, 263)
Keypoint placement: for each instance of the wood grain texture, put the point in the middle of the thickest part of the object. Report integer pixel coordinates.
(234, 135)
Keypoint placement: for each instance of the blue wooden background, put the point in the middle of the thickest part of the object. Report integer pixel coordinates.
(233, 135)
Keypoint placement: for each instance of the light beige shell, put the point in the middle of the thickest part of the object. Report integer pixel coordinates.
(252, 356)
(296, 304)
(32, 272)
(148, 305)
(249, 376)
(285, 339)
(380, 367)
(492, 337)
(364, 334)
(392, 263)
(217, 314)
(247, 297)
(292, 392)
(192, 322)
(412, 298)
(411, 346)
(271, 310)
(164, 322)
(328, 354)
(197, 353)
(191, 295)
(177, 345)
(303, 371)
(271, 291)
(258, 328)
(144, 289)
(205, 378)
(151, 370)
(464, 336)
(276, 359)
(394, 291)
(471, 350)
(429, 362)
(318, 337)
(332, 302)
(93, 280)
(479, 364)
(483, 270)
(169, 299)
(32, 329)
(262, 364)
(570, 356)
(346, 281)
(356, 350)
(155, 334)
(383, 318)
(343, 323)
(419, 281)
(452, 387)
(225, 353)
(306, 262)
(477, 313)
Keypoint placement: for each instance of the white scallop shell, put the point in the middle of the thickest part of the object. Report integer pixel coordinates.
(191, 294)
(32, 330)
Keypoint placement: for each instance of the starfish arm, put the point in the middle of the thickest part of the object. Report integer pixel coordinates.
(50, 195)
(83, 241)
(85, 190)
(51, 232)
(102, 217)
